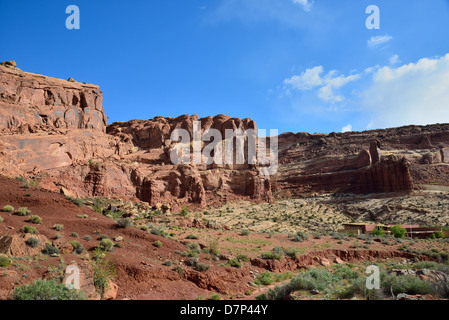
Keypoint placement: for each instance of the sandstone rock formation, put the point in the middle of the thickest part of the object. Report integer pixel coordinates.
(57, 131)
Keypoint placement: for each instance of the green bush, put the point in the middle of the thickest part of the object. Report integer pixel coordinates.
(193, 237)
(75, 235)
(8, 208)
(58, 227)
(202, 267)
(51, 250)
(265, 278)
(194, 246)
(243, 257)
(398, 232)
(276, 254)
(104, 271)
(35, 220)
(167, 263)
(78, 202)
(379, 231)
(29, 229)
(1, 220)
(215, 296)
(87, 238)
(184, 211)
(245, 232)
(124, 222)
(291, 252)
(158, 244)
(234, 263)
(5, 262)
(77, 247)
(404, 284)
(46, 290)
(32, 242)
(23, 212)
(300, 236)
(106, 244)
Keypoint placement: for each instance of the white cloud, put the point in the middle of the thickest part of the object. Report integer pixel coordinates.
(415, 93)
(347, 128)
(305, 3)
(327, 85)
(394, 59)
(378, 40)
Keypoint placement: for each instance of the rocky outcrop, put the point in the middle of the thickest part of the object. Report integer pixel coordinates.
(35, 103)
(57, 131)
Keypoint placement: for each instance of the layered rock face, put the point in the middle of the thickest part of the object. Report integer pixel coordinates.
(389, 160)
(35, 103)
(57, 131)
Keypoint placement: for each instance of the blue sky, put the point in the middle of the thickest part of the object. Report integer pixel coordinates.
(291, 65)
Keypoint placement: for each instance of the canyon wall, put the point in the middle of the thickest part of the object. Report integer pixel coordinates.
(56, 131)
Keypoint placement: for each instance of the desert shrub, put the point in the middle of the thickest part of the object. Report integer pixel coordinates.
(215, 296)
(191, 262)
(106, 244)
(77, 247)
(78, 202)
(337, 236)
(23, 212)
(58, 227)
(345, 272)
(87, 238)
(46, 290)
(35, 220)
(234, 262)
(438, 235)
(398, 232)
(242, 257)
(265, 278)
(212, 246)
(194, 246)
(379, 231)
(32, 242)
(104, 271)
(193, 237)
(75, 235)
(300, 237)
(190, 253)
(5, 262)
(158, 231)
(291, 252)
(202, 267)
(167, 263)
(158, 244)
(1, 220)
(245, 232)
(29, 229)
(184, 211)
(50, 250)
(313, 279)
(124, 222)
(404, 284)
(276, 254)
(103, 236)
(358, 288)
(8, 208)
(178, 269)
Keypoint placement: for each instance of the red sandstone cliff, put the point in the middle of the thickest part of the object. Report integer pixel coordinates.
(57, 131)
